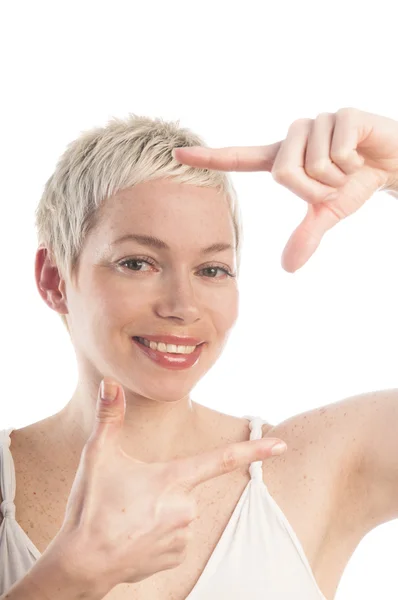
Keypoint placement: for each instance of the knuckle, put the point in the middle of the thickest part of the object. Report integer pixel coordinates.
(339, 212)
(324, 115)
(236, 160)
(282, 175)
(107, 414)
(346, 111)
(318, 167)
(211, 162)
(181, 540)
(311, 235)
(300, 123)
(340, 156)
(188, 513)
(182, 554)
(178, 547)
(229, 460)
(172, 561)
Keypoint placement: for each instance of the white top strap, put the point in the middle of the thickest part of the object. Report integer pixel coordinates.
(256, 433)
(7, 475)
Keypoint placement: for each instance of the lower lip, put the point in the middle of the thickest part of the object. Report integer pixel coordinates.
(169, 360)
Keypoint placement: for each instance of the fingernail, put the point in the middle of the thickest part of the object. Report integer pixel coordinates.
(279, 448)
(108, 391)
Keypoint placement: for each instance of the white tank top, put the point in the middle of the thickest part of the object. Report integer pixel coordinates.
(258, 557)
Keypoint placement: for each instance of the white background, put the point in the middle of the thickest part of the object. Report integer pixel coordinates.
(238, 74)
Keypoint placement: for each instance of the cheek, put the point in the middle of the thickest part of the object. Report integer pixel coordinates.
(225, 313)
(117, 304)
(118, 308)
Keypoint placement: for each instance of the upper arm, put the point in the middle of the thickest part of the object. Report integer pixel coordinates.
(369, 491)
(361, 435)
(378, 468)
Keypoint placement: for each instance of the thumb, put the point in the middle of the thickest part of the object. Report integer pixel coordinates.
(306, 238)
(109, 411)
(324, 215)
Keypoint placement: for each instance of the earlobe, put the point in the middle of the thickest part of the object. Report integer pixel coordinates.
(50, 285)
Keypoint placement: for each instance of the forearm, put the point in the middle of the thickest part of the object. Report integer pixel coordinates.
(49, 579)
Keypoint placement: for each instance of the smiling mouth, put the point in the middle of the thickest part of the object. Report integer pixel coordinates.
(171, 360)
(162, 347)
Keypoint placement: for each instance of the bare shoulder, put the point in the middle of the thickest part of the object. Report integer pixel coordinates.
(28, 449)
(338, 443)
(323, 454)
(329, 432)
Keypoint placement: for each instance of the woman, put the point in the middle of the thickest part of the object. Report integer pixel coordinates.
(285, 527)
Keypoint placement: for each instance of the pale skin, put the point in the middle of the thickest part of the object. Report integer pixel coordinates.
(135, 462)
(110, 303)
(350, 153)
(179, 300)
(335, 163)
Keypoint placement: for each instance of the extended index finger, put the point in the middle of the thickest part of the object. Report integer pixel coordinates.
(232, 158)
(190, 472)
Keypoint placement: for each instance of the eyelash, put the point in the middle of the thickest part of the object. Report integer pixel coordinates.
(151, 262)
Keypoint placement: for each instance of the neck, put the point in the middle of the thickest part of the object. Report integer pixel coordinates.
(152, 431)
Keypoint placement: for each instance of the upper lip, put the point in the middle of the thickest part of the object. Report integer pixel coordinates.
(172, 339)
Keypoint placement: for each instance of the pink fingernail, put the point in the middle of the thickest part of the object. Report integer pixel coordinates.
(279, 448)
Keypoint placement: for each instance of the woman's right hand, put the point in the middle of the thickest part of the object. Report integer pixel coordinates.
(125, 519)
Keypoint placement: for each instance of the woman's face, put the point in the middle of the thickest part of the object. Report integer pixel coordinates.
(179, 291)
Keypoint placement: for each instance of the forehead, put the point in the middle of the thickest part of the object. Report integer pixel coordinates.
(168, 208)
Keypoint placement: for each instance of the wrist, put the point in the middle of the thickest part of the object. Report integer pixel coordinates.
(57, 576)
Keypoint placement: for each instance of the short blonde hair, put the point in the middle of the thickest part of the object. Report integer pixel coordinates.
(104, 160)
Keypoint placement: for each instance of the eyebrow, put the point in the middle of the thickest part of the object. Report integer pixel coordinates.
(154, 242)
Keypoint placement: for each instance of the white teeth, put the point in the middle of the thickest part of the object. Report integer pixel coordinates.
(172, 348)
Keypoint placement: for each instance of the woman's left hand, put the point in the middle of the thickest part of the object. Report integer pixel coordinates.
(350, 154)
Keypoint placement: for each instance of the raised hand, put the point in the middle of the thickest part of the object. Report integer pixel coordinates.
(334, 162)
(126, 519)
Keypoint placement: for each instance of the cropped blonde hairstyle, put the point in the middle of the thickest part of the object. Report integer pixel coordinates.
(101, 162)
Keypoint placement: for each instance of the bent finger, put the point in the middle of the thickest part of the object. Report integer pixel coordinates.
(348, 132)
(289, 170)
(318, 164)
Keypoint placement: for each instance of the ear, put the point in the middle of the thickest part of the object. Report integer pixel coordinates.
(49, 282)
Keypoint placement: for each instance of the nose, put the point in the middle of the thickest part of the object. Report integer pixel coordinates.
(178, 299)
